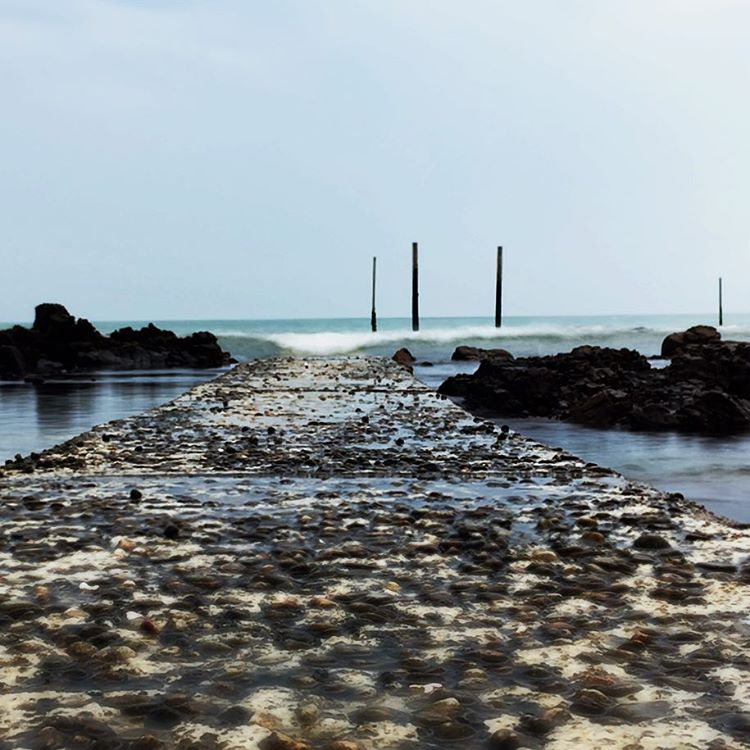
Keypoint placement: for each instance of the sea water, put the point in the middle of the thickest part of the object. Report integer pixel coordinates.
(713, 471)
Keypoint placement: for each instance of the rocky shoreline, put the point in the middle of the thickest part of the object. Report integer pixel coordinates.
(327, 555)
(705, 388)
(58, 345)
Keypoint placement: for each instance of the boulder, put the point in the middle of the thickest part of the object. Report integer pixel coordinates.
(474, 353)
(676, 342)
(404, 357)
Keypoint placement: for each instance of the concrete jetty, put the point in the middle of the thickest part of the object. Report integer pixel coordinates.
(325, 554)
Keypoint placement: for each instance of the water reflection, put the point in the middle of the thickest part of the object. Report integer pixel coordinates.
(713, 471)
(34, 417)
(59, 404)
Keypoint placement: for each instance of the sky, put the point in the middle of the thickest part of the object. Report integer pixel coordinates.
(207, 159)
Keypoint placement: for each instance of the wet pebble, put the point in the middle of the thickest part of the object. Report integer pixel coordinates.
(591, 701)
(505, 739)
(651, 542)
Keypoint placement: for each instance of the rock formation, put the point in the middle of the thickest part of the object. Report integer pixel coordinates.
(404, 358)
(705, 388)
(59, 344)
(469, 353)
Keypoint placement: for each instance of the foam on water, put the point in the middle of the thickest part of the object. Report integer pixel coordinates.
(335, 342)
(438, 338)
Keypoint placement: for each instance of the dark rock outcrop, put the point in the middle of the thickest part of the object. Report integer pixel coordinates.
(405, 358)
(474, 353)
(676, 342)
(58, 343)
(706, 387)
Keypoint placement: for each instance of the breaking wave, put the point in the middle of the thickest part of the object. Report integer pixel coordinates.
(520, 339)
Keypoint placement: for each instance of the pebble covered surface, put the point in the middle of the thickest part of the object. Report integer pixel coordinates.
(327, 555)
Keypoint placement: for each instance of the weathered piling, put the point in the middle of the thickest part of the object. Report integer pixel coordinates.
(373, 315)
(499, 288)
(721, 304)
(414, 287)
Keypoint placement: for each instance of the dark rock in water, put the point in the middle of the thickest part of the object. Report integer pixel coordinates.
(651, 541)
(736, 724)
(235, 716)
(591, 701)
(371, 714)
(636, 712)
(404, 357)
(343, 745)
(279, 741)
(540, 724)
(147, 742)
(162, 717)
(705, 389)
(171, 531)
(57, 343)
(83, 728)
(676, 342)
(471, 353)
(505, 739)
(546, 386)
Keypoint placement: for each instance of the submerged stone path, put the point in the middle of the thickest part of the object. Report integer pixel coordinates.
(327, 555)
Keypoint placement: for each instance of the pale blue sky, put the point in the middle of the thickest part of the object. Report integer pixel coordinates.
(231, 158)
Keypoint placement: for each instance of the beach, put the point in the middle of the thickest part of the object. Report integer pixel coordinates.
(324, 553)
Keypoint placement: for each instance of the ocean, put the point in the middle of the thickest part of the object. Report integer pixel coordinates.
(713, 471)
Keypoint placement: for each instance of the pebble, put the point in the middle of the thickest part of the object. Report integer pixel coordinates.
(307, 714)
(505, 739)
(279, 741)
(591, 701)
(235, 716)
(651, 542)
(372, 597)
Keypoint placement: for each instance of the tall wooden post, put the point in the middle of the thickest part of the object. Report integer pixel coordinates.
(721, 305)
(414, 287)
(499, 289)
(373, 316)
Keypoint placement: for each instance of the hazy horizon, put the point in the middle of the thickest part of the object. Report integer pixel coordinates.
(196, 159)
(710, 318)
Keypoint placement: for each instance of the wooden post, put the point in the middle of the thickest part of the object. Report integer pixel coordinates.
(414, 287)
(721, 305)
(499, 288)
(373, 316)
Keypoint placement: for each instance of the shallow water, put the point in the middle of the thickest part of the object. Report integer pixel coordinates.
(34, 417)
(713, 471)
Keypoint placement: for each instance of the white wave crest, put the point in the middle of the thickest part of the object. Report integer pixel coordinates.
(345, 342)
(513, 336)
